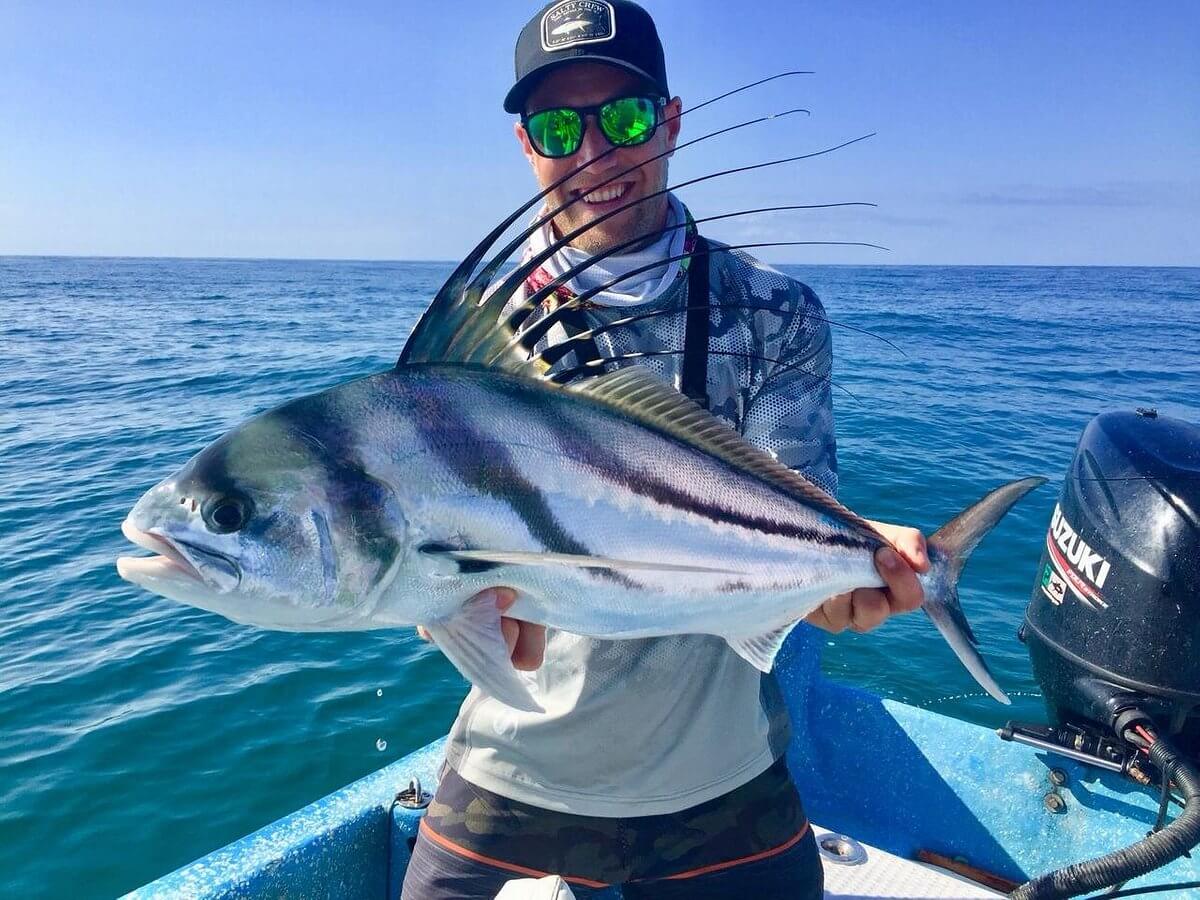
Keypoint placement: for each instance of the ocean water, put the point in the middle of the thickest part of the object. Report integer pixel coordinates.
(137, 734)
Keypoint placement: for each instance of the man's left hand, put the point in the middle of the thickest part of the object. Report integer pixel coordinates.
(867, 608)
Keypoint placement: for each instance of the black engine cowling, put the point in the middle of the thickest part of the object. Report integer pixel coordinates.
(1114, 617)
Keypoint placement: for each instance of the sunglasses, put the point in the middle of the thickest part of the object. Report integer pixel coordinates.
(625, 122)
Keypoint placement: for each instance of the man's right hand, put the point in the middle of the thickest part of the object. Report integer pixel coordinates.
(526, 641)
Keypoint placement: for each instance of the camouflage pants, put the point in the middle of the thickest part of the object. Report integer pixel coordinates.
(753, 842)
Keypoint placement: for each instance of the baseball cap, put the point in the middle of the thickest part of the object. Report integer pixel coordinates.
(616, 32)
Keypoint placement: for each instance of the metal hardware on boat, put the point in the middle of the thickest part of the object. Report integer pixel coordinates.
(843, 850)
(1042, 738)
(1054, 803)
(1135, 772)
(1057, 777)
(412, 797)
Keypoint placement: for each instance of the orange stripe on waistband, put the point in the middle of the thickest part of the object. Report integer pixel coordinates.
(741, 861)
(446, 844)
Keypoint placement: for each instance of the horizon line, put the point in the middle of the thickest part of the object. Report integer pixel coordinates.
(18, 254)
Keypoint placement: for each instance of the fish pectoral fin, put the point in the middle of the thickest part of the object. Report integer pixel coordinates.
(760, 650)
(472, 640)
(523, 558)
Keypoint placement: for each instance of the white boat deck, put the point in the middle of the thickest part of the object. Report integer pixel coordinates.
(878, 875)
(853, 871)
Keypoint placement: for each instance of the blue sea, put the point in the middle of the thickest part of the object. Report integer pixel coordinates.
(137, 734)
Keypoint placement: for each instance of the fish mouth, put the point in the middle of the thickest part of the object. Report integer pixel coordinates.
(176, 561)
(175, 572)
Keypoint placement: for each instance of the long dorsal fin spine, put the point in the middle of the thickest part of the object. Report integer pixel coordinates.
(489, 271)
(564, 376)
(498, 261)
(473, 292)
(592, 292)
(538, 330)
(505, 346)
(531, 303)
(563, 347)
(426, 343)
(516, 278)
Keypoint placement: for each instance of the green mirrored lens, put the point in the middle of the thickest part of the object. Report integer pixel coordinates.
(629, 120)
(556, 132)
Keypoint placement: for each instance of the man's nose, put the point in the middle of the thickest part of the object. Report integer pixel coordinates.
(594, 142)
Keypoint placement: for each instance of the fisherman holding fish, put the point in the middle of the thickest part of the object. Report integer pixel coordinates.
(658, 763)
(613, 561)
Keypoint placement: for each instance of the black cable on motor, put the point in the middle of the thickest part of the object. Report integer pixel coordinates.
(1153, 852)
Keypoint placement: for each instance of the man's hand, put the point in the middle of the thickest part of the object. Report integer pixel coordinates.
(526, 641)
(868, 608)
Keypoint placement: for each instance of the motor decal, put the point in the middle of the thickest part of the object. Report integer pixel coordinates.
(1054, 586)
(1083, 569)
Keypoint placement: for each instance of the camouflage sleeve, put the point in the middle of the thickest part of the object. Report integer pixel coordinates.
(791, 413)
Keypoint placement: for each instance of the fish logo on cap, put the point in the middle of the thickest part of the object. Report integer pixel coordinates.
(575, 22)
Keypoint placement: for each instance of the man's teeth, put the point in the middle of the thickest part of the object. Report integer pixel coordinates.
(606, 194)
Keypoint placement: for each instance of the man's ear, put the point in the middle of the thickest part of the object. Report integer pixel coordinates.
(671, 113)
(523, 140)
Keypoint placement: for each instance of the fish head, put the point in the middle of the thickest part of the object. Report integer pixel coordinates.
(270, 526)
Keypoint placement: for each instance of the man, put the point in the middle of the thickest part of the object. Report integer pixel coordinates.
(658, 764)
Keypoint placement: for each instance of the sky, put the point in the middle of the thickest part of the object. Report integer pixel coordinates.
(1042, 133)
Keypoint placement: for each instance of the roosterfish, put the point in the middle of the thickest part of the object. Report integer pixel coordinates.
(615, 506)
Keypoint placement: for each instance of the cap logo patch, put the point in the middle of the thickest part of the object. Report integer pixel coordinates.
(575, 22)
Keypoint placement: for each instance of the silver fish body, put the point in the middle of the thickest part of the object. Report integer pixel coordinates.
(544, 471)
(393, 500)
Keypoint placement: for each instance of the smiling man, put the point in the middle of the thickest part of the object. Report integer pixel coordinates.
(658, 764)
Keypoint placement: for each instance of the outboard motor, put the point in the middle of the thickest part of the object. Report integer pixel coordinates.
(1113, 629)
(1114, 617)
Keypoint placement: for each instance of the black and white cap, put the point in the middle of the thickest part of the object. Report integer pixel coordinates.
(617, 32)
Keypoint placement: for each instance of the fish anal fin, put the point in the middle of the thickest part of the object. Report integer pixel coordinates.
(760, 650)
(639, 394)
(473, 641)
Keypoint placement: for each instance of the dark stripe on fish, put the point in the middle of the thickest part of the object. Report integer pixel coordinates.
(360, 504)
(578, 445)
(208, 472)
(670, 495)
(497, 476)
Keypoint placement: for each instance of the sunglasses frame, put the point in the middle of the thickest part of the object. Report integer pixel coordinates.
(586, 112)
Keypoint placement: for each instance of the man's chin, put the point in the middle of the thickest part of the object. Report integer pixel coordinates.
(612, 235)
(594, 245)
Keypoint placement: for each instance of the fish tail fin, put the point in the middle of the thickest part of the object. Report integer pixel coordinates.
(949, 548)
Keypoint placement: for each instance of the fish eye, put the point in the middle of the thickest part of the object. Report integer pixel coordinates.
(226, 514)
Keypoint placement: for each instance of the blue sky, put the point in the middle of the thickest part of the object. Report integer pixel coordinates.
(1008, 133)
